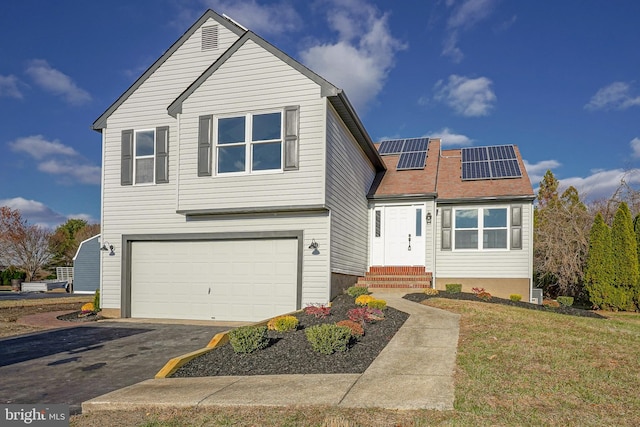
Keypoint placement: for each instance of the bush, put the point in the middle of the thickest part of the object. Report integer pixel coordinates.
(453, 288)
(378, 304)
(484, 296)
(319, 311)
(247, 339)
(88, 307)
(364, 299)
(356, 329)
(550, 303)
(328, 338)
(96, 301)
(515, 297)
(356, 291)
(431, 291)
(364, 315)
(283, 324)
(565, 301)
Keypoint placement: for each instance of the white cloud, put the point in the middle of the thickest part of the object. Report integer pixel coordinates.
(449, 138)
(263, 19)
(468, 97)
(464, 17)
(38, 147)
(616, 96)
(536, 171)
(362, 57)
(56, 82)
(9, 87)
(58, 159)
(37, 213)
(601, 184)
(635, 146)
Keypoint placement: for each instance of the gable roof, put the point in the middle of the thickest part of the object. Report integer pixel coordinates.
(335, 95)
(101, 122)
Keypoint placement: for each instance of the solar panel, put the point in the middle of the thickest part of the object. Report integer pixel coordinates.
(505, 169)
(474, 154)
(392, 146)
(502, 152)
(415, 144)
(476, 170)
(414, 160)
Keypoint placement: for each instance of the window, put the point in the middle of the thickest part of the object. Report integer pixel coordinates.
(378, 223)
(486, 225)
(249, 143)
(418, 222)
(145, 156)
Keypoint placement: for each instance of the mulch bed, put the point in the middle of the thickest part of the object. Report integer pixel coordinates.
(78, 316)
(570, 311)
(290, 353)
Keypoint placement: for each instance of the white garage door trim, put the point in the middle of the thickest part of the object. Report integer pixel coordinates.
(128, 240)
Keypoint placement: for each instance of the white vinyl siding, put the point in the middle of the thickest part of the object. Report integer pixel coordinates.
(253, 81)
(499, 263)
(349, 177)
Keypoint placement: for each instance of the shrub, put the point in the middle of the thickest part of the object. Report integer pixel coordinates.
(378, 304)
(283, 324)
(319, 311)
(431, 291)
(356, 291)
(96, 301)
(550, 303)
(453, 288)
(364, 299)
(88, 307)
(565, 301)
(477, 290)
(247, 339)
(356, 328)
(364, 315)
(328, 338)
(515, 297)
(484, 296)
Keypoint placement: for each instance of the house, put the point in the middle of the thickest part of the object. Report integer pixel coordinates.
(238, 184)
(86, 266)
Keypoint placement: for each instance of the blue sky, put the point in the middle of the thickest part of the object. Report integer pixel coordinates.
(561, 79)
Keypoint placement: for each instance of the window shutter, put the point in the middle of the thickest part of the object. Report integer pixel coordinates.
(126, 158)
(162, 155)
(291, 140)
(446, 229)
(516, 227)
(204, 145)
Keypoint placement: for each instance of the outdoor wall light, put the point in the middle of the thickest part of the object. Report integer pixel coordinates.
(314, 245)
(429, 217)
(106, 246)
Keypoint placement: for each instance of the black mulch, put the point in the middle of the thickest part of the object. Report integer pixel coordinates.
(290, 353)
(78, 316)
(571, 311)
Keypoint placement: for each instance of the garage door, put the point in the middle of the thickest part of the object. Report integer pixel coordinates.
(220, 280)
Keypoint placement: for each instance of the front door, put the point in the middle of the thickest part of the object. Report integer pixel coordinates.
(403, 241)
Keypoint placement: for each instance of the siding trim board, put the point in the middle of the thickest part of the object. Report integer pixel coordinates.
(251, 211)
(101, 122)
(128, 239)
(485, 200)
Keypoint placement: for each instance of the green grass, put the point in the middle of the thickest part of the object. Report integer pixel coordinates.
(514, 367)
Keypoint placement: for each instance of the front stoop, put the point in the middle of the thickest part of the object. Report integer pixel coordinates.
(396, 277)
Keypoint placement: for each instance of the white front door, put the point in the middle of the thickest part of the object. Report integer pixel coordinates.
(402, 236)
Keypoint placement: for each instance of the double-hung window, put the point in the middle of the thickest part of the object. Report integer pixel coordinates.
(484, 226)
(249, 143)
(144, 156)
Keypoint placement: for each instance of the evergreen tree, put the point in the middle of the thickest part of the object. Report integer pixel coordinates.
(548, 191)
(598, 274)
(625, 261)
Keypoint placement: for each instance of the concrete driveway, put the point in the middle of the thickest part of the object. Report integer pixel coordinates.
(75, 364)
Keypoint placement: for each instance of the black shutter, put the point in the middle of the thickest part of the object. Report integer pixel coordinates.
(126, 158)
(516, 227)
(446, 229)
(162, 155)
(204, 145)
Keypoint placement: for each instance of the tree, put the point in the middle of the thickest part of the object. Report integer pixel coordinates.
(66, 239)
(626, 272)
(598, 274)
(561, 239)
(22, 245)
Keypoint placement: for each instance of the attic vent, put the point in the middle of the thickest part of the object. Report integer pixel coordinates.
(210, 37)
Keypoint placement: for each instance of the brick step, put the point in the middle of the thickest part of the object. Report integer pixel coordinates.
(396, 285)
(397, 278)
(397, 270)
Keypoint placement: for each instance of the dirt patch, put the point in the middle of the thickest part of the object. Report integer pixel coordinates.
(9, 315)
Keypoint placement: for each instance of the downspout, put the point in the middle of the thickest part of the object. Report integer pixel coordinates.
(101, 269)
(178, 116)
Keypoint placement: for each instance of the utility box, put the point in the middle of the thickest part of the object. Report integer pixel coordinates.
(536, 296)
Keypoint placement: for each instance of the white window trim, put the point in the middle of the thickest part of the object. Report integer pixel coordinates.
(248, 144)
(479, 229)
(136, 157)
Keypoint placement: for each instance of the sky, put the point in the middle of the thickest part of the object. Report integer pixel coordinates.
(560, 79)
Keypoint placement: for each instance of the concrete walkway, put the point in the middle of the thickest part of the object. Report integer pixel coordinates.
(414, 371)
